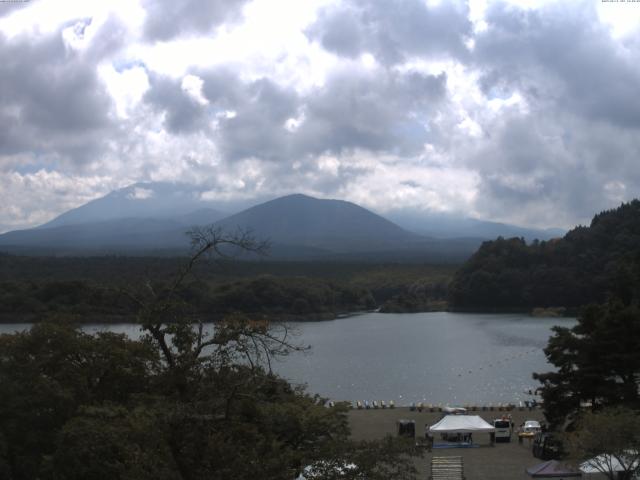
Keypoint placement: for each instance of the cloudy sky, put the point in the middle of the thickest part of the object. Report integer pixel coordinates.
(520, 111)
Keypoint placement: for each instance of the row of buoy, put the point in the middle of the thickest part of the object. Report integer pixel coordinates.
(504, 360)
(428, 407)
(374, 404)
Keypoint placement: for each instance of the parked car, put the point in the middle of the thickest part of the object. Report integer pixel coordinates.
(531, 426)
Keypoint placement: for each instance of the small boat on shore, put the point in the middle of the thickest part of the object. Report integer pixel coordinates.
(454, 410)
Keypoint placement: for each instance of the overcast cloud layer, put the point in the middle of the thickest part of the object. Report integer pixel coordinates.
(529, 115)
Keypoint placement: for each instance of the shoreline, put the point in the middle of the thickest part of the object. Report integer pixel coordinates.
(114, 319)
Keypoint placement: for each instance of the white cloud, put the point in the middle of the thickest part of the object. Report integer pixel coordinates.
(272, 98)
(34, 198)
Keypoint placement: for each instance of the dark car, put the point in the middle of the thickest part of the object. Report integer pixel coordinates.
(547, 446)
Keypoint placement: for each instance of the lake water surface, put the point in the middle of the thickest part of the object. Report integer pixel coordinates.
(437, 357)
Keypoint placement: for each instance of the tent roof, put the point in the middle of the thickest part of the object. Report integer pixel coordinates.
(462, 424)
(606, 461)
(552, 468)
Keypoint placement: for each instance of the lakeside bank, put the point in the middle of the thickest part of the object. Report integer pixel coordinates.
(502, 461)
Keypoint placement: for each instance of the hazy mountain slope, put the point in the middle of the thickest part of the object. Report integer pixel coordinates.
(141, 200)
(111, 234)
(333, 225)
(154, 216)
(448, 226)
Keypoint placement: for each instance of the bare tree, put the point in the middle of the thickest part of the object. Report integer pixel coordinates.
(609, 441)
(181, 335)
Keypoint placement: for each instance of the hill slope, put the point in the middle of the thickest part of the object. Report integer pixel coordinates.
(151, 218)
(156, 200)
(331, 225)
(587, 265)
(443, 225)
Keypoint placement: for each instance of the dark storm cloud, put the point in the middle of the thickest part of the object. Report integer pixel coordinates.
(566, 149)
(561, 54)
(393, 30)
(169, 19)
(377, 111)
(258, 127)
(52, 101)
(553, 167)
(183, 114)
(383, 111)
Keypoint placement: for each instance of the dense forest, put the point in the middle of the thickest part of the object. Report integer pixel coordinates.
(588, 265)
(94, 288)
(276, 297)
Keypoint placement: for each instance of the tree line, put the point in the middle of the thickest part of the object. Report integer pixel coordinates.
(277, 297)
(588, 265)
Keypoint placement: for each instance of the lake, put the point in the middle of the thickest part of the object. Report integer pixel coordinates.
(439, 357)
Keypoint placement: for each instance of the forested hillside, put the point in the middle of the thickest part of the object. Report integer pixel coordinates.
(95, 288)
(586, 266)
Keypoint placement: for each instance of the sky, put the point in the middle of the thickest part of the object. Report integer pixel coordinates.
(526, 112)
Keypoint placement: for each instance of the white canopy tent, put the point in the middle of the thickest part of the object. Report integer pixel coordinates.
(461, 424)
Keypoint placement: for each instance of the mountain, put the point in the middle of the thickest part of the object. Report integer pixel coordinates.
(331, 225)
(109, 236)
(298, 227)
(444, 225)
(158, 200)
(152, 218)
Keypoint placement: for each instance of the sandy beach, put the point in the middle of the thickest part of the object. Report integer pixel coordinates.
(503, 461)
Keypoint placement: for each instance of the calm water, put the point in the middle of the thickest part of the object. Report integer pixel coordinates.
(433, 357)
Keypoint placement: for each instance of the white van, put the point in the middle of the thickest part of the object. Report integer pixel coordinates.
(503, 429)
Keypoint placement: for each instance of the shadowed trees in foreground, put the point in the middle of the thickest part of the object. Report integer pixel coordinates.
(182, 402)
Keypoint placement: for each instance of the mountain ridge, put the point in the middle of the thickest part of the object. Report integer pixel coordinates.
(156, 216)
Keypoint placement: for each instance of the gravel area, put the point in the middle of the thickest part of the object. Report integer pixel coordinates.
(503, 461)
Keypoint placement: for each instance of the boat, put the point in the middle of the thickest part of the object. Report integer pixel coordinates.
(454, 410)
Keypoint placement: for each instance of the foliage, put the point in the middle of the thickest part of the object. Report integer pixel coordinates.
(420, 296)
(597, 361)
(277, 296)
(607, 439)
(49, 372)
(588, 265)
(182, 402)
(90, 288)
